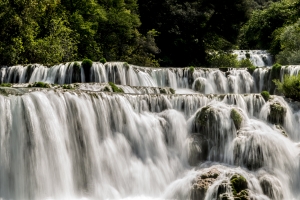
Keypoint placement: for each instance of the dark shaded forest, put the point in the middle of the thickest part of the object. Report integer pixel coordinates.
(146, 32)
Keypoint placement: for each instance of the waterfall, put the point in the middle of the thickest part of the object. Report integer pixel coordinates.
(171, 134)
(259, 58)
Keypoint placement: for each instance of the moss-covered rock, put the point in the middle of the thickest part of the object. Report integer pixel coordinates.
(271, 187)
(236, 118)
(103, 60)
(203, 116)
(163, 91)
(199, 85)
(238, 184)
(115, 88)
(126, 65)
(5, 85)
(86, 65)
(40, 84)
(277, 113)
(265, 95)
(201, 184)
(172, 91)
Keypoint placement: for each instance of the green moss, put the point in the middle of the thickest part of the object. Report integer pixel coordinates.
(5, 85)
(126, 65)
(87, 64)
(103, 60)
(245, 63)
(162, 91)
(237, 118)
(192, 69)
(115, 88)
(41, 84)
(172, 90)
(238, 184)
(265, 95)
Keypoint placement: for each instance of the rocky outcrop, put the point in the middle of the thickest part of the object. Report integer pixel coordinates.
(202, 183)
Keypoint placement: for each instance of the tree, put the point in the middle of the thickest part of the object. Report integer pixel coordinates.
(189, 30)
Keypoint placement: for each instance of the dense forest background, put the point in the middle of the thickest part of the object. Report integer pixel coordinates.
(146, 32)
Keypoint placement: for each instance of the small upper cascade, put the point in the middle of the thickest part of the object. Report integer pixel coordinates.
(259, 58)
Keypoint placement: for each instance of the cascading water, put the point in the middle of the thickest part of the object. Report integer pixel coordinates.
(259, 58)
(87, 142)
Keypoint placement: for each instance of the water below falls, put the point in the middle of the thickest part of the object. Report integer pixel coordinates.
(148, 143)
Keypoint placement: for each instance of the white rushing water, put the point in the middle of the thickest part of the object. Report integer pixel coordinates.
(64, 145)
(215, 138)
(259, 58)
(201, 80)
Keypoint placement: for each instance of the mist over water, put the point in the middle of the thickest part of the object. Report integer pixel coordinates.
(147, 143)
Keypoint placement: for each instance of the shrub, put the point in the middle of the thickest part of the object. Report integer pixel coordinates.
(224, 60)
(86, 64)
(265, 95)
(290, 87)
(245, 63)
(5, 85)
(115, 88)
(103, 60)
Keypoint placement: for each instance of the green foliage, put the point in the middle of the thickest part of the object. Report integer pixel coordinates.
(86, 64)
(245, 63)
(290, 45)
(41, 84)
(103, 60)
(223, 60)
(5, 85)
(260, 31)
(115, 88)
(265, 95)
(237, 118)
(290, 87)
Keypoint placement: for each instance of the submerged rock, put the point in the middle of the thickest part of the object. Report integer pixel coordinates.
(271, 187)
(198, 149)
(202, 183)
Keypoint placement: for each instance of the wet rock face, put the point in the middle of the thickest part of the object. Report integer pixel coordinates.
(198, 149)
(271, 187)
(199, 85)
(202, 183)
(277, 113)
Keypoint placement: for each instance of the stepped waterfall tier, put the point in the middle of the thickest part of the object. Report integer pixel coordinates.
(133, 132)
